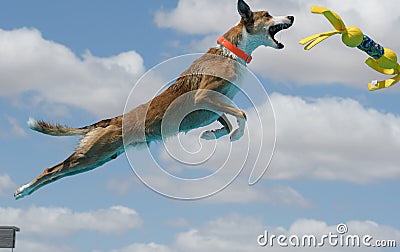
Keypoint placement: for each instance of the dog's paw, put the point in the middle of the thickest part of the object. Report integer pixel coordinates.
(236, 134)
(22, 192)
(208, 135)
(214, 134)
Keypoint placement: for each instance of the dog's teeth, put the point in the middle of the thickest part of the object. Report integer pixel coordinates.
(278, 27)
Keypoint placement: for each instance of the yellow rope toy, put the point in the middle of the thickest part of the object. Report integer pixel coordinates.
(382, 59)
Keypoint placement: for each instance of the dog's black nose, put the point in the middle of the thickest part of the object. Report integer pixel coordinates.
(291, 18)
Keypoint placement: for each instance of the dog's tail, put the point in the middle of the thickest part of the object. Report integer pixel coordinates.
(56, 129)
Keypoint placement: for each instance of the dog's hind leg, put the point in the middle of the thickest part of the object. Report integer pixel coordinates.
(47, 176)
(217, 133)
(96, 148)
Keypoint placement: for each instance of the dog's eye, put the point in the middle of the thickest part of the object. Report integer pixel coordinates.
(267, 15)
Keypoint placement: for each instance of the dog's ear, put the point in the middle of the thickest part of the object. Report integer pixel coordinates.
(244, 10)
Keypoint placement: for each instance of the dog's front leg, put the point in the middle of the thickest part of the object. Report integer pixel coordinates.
(216, 102)
(217, 133)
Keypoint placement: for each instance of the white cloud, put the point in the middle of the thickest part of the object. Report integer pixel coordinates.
(61, 222)
(328, 63)
(287, 196)
(334, 139)
(231, 233)
(198, 17)
(6, 184)
(46, 229)
(30, 63)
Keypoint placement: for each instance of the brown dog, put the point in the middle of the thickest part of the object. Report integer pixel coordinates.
(103, 141)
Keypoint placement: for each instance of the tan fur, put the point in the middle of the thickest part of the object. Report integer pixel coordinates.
(103, 141)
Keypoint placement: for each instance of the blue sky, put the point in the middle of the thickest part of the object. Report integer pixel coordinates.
(336, 158)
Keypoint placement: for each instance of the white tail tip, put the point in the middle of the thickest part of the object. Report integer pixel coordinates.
(33, 124)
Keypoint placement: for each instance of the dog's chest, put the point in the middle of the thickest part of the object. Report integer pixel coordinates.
(236, 80)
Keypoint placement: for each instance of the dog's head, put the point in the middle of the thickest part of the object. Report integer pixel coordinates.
(261, 27)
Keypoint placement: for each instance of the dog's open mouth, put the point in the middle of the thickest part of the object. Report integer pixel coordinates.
(275, 29)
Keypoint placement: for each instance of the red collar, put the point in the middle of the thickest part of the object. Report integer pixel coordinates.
(234, 49)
